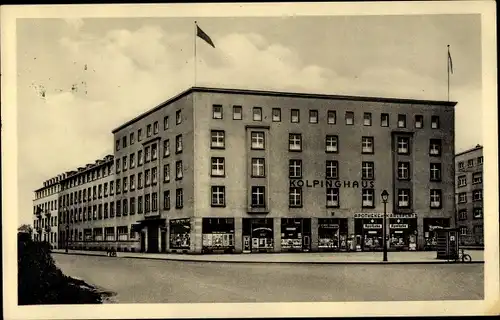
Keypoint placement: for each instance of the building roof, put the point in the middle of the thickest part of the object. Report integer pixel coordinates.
(282, 94)
(477, 147)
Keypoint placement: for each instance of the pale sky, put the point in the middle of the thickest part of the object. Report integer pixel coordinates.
(97, 73)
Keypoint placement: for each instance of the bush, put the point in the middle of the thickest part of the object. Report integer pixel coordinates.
(40, 281)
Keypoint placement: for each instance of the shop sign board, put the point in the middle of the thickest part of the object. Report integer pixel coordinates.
(372, 226)
(398, 226)
(369, 215)
(328, 225)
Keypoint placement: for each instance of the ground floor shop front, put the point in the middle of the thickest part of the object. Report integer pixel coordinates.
(363, 232)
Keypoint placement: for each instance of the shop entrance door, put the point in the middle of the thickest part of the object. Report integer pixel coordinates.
(246, 244)
(306, 243)
(143, 242)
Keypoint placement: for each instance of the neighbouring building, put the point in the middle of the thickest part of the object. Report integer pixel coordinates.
(469, 195)
(226, 170)
(45, 209)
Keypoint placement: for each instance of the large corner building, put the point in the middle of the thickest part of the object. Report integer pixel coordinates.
(223, 170)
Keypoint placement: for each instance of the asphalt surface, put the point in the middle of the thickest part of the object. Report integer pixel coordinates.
(162, 281)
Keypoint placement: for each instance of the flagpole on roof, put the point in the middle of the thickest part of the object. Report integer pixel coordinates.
(195, 60)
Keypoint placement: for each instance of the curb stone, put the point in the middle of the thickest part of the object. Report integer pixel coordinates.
(277, 262)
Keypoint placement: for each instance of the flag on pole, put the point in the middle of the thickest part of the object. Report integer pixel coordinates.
(200, 33)
(450, 61)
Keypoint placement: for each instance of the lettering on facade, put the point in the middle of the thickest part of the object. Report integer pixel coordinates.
(363, 215)
(372, 226)
(398, 226)
(332, 183)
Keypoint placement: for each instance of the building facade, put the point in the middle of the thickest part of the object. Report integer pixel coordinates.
(87, 217)
(222, 170)
(45, 208)
(469, 195)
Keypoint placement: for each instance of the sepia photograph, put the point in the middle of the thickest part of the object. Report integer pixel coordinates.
(250, 160)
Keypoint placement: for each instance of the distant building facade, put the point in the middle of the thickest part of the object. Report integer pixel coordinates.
(469, 195)
(224, 170)
(45, 210)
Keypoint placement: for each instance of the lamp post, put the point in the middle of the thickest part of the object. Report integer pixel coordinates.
(67, 232)
(385, 196)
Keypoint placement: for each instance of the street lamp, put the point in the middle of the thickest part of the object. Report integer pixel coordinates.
(385, 197)
(67, 232)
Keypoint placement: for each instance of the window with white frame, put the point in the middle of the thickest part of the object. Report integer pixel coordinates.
(258, 167)
(179, 198)
(367, 170)
(147, 203)
(139, 135)
(470, 163)
(332, 169)
(117, 165)
(332, 143)
(403, 170)
(149, 130)
(332, 117)
(140, 181)
(332, 197)
(480, 160)
(462, 214)
(401, 121)
(462, 197)
(419, 121)
(368, 198)
(295, 197)
(125, 184)
(217, 111)
(166, 173)
(435, 197)
(462, 181)
(477, 177)
(463, 231)
(166, 200)
(313, 116)
(178, 117)
(155, 127)
(218, 139)
(435, 122)
(132, 182)
(178, 143)
(276, 114)
(237, 113)
(295, 142)
(165, 123)
(295, 169)
(367, 144)
(478, 213)
(461, 165)
(154, 151)
(132, 160)
(166, 148)
(218, 196)
(477, 195)
(178, 170)
(257, 114)
(384, 120)
(367, 119)
(403, 198)
(140, 158)
(349, 118)
(295, 116)
(435, 172)
(257, 138)
(147, 177)
(403, 145)
(258, 196)
(217, 167)
(147, 151)
(154, 175)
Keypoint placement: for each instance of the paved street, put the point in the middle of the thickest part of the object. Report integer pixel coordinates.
(163, 281)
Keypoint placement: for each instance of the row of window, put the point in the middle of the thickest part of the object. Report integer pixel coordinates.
(477, 195)
(145, 204)
(96, 234)
(47, 206)
(477, 230)
(477, 213)
(42, 223)
(150, 131)
(470, 163)
(149, 177)
(258, 197)
(477, 177)
(296, 169)
(218, 113)
(47, 192)
(150, 154)
(331, 143)
(90, 176)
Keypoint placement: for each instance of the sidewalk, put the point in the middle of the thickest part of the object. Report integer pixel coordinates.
(418, 257)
